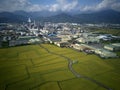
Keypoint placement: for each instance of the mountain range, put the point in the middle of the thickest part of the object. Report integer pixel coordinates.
(106, 16)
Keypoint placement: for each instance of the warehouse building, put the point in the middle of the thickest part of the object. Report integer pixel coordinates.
(105, 54)
(113, 47)
(88, 40)
(62, 44)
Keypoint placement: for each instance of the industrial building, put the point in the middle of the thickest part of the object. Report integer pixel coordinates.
(88, 40)
(62, 44)
(113, 47)
(105, 54)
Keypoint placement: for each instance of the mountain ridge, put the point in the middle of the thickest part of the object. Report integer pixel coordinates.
(106, 16)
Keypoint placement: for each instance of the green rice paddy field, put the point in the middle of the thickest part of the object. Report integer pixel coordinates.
(32, 67)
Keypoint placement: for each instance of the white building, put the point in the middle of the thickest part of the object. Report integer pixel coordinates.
(62, 44)
(105, 54)
(65, 38)
(88, 40)
(113, 47)
(109, 47)
(76, 46)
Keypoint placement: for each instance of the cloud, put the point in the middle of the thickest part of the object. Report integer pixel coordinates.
(103, 5)
(58, 5)
(12, 5)
(64, 5)
(26, 5)
(70, 6)
(54, 7)
(116, 6)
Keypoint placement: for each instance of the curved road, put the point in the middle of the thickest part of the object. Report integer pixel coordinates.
(70, 63)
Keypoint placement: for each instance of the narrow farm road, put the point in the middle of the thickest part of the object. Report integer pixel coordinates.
(70, 63)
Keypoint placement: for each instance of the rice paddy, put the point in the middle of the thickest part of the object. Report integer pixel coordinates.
(32, 67)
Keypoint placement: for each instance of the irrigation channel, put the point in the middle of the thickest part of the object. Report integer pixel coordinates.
(70, 63)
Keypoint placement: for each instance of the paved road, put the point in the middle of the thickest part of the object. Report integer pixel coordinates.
(70, 63)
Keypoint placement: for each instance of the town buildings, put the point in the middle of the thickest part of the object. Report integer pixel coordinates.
(68, 35)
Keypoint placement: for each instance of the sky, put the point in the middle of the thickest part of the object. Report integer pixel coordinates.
(59, 5)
